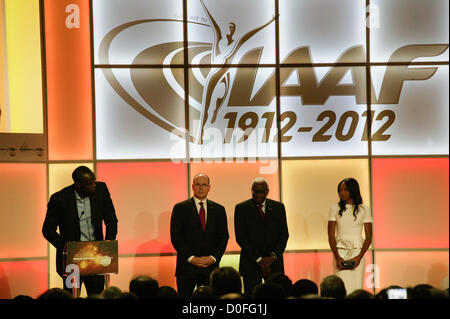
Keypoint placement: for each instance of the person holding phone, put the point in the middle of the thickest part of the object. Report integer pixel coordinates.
(345, 224)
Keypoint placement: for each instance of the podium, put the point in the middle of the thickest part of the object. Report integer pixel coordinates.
(89, 258)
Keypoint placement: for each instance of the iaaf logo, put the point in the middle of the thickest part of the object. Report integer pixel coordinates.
(216, 92)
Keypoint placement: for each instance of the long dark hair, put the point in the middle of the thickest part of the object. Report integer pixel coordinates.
(355, 195)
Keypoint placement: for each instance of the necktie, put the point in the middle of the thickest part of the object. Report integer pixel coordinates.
(202, 216)
(260, 210)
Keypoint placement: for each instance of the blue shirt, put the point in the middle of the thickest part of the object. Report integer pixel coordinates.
(84, 214)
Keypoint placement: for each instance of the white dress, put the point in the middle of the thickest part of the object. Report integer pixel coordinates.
(349, 241)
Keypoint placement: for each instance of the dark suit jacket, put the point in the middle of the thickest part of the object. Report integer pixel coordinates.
(260, 237)
(62, 212)
(188, 238)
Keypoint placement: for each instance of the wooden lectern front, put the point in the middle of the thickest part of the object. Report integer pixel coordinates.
(89, 258)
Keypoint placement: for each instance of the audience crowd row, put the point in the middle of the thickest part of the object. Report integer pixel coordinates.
(225, 283)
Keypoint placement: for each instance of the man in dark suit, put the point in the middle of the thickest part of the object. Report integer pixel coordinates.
(262, 233)
(199, 234)
(79, 210)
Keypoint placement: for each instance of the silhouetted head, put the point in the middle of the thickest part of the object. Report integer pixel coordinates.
(56, 293)
(282, 280)
(268, 290)
(225, 280)
(203, 292)
(333, 287)
(360, 294)
(111, 293)
(167, 292)
(144, 287)
(304, 287)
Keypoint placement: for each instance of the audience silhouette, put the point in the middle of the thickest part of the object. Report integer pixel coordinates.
(226, 283)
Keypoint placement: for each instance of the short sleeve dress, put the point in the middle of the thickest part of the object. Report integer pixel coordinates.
(349, 241)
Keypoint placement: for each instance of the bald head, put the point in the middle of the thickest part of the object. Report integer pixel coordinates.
(200, 175)
(201, 186)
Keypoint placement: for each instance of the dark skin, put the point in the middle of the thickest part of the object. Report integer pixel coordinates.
(259, 195)
(86, 185)
(345, 196)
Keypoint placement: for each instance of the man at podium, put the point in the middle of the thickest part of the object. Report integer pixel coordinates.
(79, 210)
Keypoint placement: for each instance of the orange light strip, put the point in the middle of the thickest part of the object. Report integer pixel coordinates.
(69, 88)
(3, 73)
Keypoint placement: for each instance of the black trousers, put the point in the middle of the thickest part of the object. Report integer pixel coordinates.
(94, 284)
(187, 282)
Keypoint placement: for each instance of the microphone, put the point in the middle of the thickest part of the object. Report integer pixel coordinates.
(87, 223)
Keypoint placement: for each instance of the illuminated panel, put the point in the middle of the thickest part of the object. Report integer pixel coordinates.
(237, 113)
(60, 176)
(309, 190)
(411, 117)
(4, 111)
(230, 261)
(23, 53)
(325, 28)
(140, 113)
(324, 111)
(124, 30)
(407, 22)
(23, 193)
(410, 203)
(69, 93)
(232, 28)
(410, 268)
(144, 195)
(160, 268)
(27, 278)
(316, 266)
(231, 184)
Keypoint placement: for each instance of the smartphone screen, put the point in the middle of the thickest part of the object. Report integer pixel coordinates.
(397, 293)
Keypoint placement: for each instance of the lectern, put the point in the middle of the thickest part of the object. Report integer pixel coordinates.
(89, 258)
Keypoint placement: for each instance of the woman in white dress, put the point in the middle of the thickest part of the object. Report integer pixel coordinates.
(345, 224)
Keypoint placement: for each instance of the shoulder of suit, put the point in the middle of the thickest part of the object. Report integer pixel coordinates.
(184, 203)
(63, 195)
(65, 191)
(247, 202)
(214, 204)
(272, 202)
(100, 184)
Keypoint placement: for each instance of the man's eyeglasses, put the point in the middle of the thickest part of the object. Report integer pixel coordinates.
(260, 192)
(201, 185)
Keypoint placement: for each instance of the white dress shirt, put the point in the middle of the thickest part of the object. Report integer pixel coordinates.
(197, 204)
(84, 214)
(264, 212)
